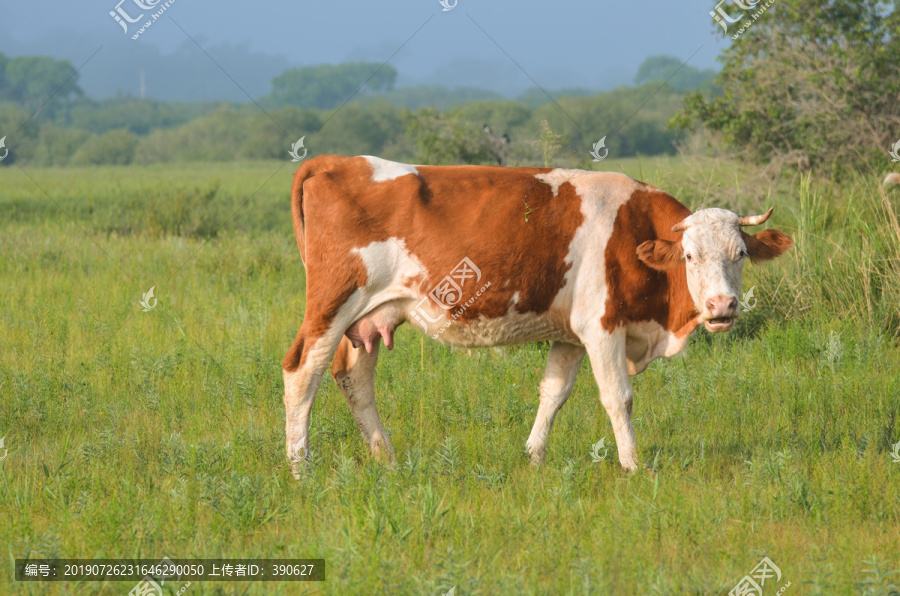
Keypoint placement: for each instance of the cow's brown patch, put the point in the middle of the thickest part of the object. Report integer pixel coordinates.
(642, 282)
(442, 215)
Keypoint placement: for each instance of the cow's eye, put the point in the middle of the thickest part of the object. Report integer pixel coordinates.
(688, 257)
(743, 254)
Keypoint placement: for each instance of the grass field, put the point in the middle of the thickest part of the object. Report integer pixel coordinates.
(161, 433)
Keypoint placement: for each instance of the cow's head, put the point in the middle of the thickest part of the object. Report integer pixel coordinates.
(712, 251)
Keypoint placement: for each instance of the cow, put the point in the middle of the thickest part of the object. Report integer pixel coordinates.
(596, 263)
(892, 179)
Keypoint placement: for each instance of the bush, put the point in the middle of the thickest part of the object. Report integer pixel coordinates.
(117, 147)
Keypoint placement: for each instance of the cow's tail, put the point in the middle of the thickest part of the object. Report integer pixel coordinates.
(303, 173)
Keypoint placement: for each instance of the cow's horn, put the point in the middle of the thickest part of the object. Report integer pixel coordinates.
(680, 226)
(755, 220)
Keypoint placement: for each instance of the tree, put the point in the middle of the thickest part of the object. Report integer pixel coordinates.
(35, 81)
(814, 84)
(447, 139)
(115, 147)
(328, 86)
(681, 77)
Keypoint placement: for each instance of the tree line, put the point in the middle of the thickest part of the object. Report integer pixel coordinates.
(328, 106)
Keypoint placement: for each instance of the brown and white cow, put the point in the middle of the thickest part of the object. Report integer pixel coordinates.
(476, 256)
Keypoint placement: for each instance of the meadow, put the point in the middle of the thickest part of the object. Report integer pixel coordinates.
(161, 433)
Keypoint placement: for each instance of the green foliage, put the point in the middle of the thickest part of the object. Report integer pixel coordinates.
(37, 82)
(21, 134)
(445, 138)
(140, 116)
(669, 69)
(56, 146)
(116, 147)
(810, 84)
(327, 86)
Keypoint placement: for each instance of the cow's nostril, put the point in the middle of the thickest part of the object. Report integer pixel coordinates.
(710, 305)
(732, 304)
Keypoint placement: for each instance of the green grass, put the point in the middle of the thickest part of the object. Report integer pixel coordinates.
(161, 433)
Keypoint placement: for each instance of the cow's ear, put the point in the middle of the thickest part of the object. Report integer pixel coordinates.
(661, 255)
(766, 245)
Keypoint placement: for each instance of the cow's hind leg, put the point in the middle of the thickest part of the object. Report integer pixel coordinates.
(303, 367)
(353, 370)
(563, 363)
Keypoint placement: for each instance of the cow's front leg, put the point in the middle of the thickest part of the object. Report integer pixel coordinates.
(607, 354)
(563, 363)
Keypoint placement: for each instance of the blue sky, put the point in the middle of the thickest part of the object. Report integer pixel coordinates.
(565, 43)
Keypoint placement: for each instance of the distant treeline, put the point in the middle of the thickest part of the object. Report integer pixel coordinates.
(48, 121)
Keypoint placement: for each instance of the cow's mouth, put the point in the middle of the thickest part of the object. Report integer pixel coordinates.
(720, 324)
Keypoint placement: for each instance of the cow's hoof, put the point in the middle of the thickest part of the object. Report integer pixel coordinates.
(299, 460)
(382, 451)
(536, 455)
(629, 465)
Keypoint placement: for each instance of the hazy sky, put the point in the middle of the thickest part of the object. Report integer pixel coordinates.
(563, 43)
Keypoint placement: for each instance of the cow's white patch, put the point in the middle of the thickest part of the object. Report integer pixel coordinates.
(384, 170)
(557, 177)
(585, 291)
(648, 340)
(390, 268)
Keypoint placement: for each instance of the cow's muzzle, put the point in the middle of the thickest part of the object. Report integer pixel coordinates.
(721, 312)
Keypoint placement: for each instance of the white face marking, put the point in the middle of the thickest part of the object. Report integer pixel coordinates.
(383, 170)
(714, 256)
